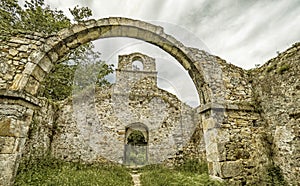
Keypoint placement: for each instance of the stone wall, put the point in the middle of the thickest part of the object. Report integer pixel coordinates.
(100, 130)
(15, 53)
(41, 131)
(97, 121)
(15, 116)
(277, 85)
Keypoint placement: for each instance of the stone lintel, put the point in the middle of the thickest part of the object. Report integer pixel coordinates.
(222, 107)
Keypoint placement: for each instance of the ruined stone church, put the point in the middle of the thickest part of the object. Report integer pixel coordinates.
(247, 124)
(98, 124)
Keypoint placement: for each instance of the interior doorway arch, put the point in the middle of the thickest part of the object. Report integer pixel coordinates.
(136, 145)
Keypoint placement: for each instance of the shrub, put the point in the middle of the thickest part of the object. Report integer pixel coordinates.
(194, 166)
(283, 68)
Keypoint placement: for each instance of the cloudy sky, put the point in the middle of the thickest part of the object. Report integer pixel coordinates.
(243, 32)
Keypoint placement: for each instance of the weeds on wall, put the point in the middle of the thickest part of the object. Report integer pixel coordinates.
(273, 176)
(283, 68)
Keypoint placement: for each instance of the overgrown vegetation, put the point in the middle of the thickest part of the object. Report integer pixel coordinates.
(275, 176)
(50, 171)
(283, 68)
(37, 16)
(190, 173)
(80, 72)
(270, 68)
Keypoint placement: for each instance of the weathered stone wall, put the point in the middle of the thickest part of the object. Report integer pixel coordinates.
(15, 116)
(88, 138)
(41, 131)
(96, 122)
(233, 130)
(277, 85)
(15, 52)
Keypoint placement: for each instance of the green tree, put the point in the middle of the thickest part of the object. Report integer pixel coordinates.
(77, 73)
(136, 138)
(38, 17)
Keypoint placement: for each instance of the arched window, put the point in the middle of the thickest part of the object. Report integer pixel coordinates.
(137, 65)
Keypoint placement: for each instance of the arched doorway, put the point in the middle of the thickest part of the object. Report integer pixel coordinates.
(136, 145)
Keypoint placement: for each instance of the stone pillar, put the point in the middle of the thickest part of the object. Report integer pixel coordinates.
(215, 138)
(15, 118)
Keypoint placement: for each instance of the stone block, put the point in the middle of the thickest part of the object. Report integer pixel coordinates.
(29, 67)
(53, 56)
(38, 73)
(102, 22)
(32, 86)
(230, 169)
(72, 44)
(7, 168)
(19, 144)
(36, 56)
(62, 50)
(214, 168)
(116, 31)
(13, 52)
(13, 128)
(46, 64)
(208, 124)
(5, 125)
(132, 32)
(78, 28)
(7, 145)
(64, 33)
(23, 48)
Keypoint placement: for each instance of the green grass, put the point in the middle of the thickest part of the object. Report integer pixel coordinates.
(161, 176)
(190, 173)
(49, 171)
(73, 174)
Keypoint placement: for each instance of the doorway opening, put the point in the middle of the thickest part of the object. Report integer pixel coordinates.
(136, 145)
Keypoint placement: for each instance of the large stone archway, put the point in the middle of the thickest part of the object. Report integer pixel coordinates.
(41, 61)
(203, 69)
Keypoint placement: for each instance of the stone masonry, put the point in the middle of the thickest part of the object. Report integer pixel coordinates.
(98, 120)
(247, 120)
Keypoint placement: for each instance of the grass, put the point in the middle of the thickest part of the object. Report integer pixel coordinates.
(191, 173)
(49, 171)
(64, 173)
(163, 177)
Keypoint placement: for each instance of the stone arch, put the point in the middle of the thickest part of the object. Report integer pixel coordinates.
(55, 47)
(137, 64)
(202, 68)
(136, 126)
(136, 153)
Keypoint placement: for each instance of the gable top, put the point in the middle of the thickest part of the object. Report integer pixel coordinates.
(130, 62)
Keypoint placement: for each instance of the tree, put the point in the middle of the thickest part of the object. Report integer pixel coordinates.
(88, 69)
(136, 138)
(38, 17)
